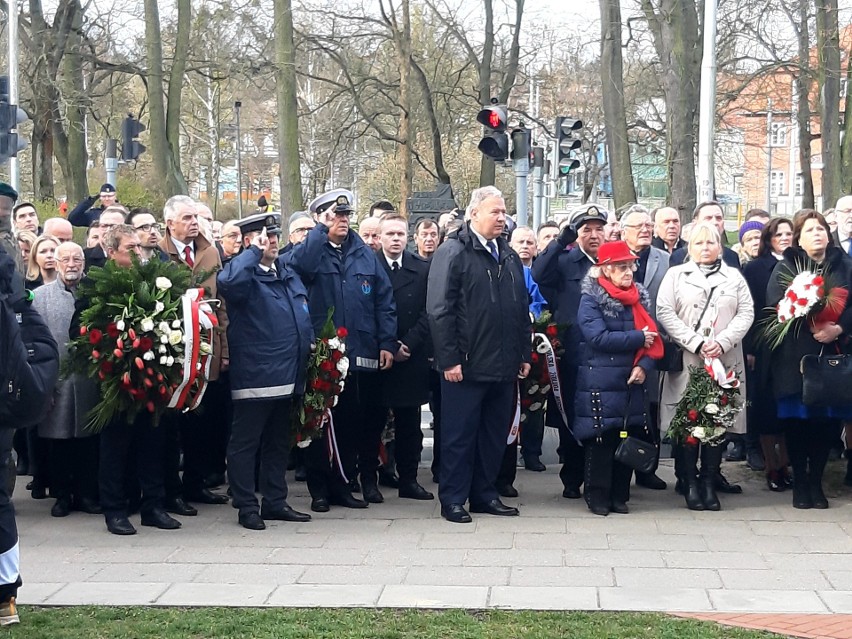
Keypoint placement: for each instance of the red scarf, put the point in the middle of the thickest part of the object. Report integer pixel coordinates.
(629, 297)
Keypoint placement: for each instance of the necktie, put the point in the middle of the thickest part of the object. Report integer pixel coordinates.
(493, 248)
(849, 246)
(394, 266)
(187, 256)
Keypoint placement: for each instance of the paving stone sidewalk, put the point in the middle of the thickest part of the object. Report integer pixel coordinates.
(756, 555)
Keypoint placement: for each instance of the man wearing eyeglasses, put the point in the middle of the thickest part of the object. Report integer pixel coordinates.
(97, 255)
(231, 241)
(150, 233)
(300, 224)
(843, 214)
(637, 231)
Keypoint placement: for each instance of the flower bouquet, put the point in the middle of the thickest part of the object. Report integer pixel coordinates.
(146, 337)
(708, 407)
(810, 297)
(327, 369)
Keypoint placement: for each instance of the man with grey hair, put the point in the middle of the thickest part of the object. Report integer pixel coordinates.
(843, 233)
(110, 218)
(184, 244)
(60, 228)
(666, 229)
(479, 318)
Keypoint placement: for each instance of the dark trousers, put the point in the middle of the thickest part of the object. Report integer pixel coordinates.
(435, 407)
(532, 434)
(476, 419)
(508, 466)
(570, 452)
(74, 467)
(606, 480)
(408, 442)
(264, 426)
(217, 417)
(808, 444)
(120, 441)
(358, 428)
(9, 557)
(39, 456)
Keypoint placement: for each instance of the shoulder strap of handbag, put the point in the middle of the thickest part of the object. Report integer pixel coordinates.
(623, 433)
(706, 306)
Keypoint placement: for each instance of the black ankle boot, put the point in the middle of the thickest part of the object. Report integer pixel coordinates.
(688, 460)
(711, 460)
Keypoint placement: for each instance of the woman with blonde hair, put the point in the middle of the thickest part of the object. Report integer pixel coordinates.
(706, 308)
(41, 264)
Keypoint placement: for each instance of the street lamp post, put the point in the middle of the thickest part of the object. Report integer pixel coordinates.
(237, 106)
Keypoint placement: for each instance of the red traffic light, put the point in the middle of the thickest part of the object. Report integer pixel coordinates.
(495, 117)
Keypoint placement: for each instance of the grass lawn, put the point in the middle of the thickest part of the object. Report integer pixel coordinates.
(277, 623)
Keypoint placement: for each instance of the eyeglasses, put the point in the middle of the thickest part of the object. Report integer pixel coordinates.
(69, 260)
(304, 230)
(644, 225)
(623, 267)
(146, 228)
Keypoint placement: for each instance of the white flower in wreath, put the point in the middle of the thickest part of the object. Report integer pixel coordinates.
(163, 327)
(163, 360)
(176, 324)
(334, 343)
(148, 356)
(334, 401)
(205, 348)
(164, 338)
(541, 347)
(523, 417)
(175, 338)
(699, 433)
(720, 431)
(120, 325)
(343, 365)
(159, 307)
(163, 283)
(342, 348)
(163, 350)
(170, 361)
(147, 325)
(711, 409)
(304, 443)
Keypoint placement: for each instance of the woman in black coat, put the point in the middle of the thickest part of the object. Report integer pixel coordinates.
(619, 343)
(775, 238)
(810, 430)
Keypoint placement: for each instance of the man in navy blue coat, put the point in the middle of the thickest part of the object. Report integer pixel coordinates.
(342, 273)
(479, 316)
(270, 336)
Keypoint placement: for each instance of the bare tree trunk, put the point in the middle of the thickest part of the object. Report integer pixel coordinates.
(429, 104)
(176, 82)
(42, 153)
(846, 148)
(76, 100)
(615, 118)
(677, 40)
(828, 51)
(289, 170)
(803, 106)
(402, 37)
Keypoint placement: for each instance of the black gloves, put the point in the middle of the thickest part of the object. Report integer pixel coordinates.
(566, 236)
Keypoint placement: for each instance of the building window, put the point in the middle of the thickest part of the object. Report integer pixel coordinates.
(777, 184)
(800, 185)
(778, 134)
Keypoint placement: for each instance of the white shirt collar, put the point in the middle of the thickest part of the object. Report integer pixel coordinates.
(180, 247)
(266, 269)
(391, 262)
(483, 241)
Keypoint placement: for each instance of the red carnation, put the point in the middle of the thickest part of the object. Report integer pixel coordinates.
(802, 301)
(342, 332)
(316, 383)
(691, 441)
(112, 330)
(95, 336)
(146, 343)
(106, 366)
(327, 366)
(818, 280)
(692, 415)
(336, 356)
(551, 330)
(820, 291)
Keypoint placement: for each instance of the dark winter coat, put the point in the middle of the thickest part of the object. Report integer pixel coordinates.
(407, 383)
(269, 332)
(478, 309)
(353, 283)
(606, 354)
(786, 375)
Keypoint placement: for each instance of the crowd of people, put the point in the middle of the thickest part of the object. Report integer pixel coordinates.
(639, 300)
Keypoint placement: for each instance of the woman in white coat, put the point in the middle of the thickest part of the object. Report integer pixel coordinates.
(705, 306)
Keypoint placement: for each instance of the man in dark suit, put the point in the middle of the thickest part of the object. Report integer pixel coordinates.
(710, 212)
(406, 388)
(479, 318)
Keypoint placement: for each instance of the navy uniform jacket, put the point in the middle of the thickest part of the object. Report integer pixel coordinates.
(478, 309)
(84, 214)
(269, 330)
(407, 383)
(353, 283)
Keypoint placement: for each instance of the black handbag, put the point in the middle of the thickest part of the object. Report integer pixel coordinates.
(633, 452)
(826, 379)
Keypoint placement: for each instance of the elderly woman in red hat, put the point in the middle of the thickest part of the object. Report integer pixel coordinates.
(619, 345)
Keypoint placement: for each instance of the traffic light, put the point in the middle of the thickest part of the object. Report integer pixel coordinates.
(495, 142)
(10, 117)
(521, 143)
(567, 141)
(131, 148)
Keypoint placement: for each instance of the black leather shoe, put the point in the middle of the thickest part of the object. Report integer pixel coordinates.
(354, 486)
(414, 491)
(569, 492)
(120, 526)
(320, 505)
(619, 507)
(39, 492)
(754, 460)
(737, 453)
(214, 480)
(205, 496)
(62, 507)
(722, 486)
(818, 499)
(371, 494)
(301, 473)
(495, 507)
(179, 507)
(506, 490)
(252, 521)
(651, 481)
(456, 514)
(86, 505)
(347, 501)
(534, 464)
(599, 509)
(388, 480)
(158, 518)
(285, 514)
(802, 496)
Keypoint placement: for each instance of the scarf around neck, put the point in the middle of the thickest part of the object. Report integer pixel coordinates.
(629, 297)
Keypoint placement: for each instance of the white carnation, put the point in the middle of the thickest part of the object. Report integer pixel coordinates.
(158, 307)
(343, 365)
(334, 343)
(147, 325)
(163, 326)
(304, 443)
(342, 347)
(711, 409)
(163, 283)
(205, 348)
(148, 356)
(698, 432)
